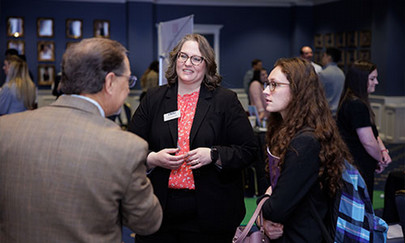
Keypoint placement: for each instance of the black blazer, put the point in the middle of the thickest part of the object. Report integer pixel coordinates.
(219, 121)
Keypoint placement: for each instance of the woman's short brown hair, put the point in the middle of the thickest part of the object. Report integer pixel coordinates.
(211, 79)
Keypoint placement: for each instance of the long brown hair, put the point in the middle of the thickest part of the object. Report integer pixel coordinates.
(356, 84)
(18, 75)
(211, 79)
(308, 108)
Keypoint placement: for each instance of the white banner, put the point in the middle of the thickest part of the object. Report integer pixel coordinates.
(169, 34)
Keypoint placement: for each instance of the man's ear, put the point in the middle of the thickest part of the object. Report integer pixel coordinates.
(109, 81)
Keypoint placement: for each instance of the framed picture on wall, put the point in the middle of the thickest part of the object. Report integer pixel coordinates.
(102, 28)
(46, 74)
(329, 40)
(15, 26)
(341, 39)
(46, 51)
(364, 55)
(19, 45)
(351, 56)
(74, 28)
(341, 63)
(317, 58)
(45, 27)
(365, 38)
(351, 39)
(318, 41)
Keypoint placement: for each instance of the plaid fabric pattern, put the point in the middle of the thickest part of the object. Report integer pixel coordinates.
(356, 221)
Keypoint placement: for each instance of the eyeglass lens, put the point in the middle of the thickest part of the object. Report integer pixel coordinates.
(271, 85)
(195, 60)
(132, 81)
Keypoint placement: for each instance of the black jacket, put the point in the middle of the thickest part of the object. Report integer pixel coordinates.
(297, 184)
(219, 121)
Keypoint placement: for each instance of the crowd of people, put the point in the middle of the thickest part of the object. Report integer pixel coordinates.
(69, 174)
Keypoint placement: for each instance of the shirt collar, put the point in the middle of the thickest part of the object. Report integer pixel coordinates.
(91, 101)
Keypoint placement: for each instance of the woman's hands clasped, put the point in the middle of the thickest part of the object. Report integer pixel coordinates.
(386, 160)
(167, 158)
(198, 157)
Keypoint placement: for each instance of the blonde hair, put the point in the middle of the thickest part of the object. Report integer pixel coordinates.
(18, 75)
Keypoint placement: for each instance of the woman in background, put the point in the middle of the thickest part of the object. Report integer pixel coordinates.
(256, 96)
(150, 78)
(303, 138)
(18, 92)
(356, 122)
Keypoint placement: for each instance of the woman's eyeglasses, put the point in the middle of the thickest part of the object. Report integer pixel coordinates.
(273, 85)
(131, 79)
(195, 60)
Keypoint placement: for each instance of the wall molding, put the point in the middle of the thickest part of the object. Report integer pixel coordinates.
(389, 111)
(390, 117)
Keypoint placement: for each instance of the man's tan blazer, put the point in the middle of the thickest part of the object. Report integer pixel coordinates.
(67, 174)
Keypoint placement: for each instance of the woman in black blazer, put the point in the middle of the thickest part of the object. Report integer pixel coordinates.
(200, 140)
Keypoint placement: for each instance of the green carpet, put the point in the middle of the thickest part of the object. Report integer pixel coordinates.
(250, 204)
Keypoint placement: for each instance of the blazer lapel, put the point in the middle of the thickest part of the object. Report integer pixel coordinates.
(203, 105)
(171, 105)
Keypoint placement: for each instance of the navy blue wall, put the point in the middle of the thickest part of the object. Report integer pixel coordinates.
(267, 33)
(59, 11)
(247, 33)
(142, 44)
(386, 20)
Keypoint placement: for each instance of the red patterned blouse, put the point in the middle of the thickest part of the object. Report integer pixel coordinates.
(182, 178)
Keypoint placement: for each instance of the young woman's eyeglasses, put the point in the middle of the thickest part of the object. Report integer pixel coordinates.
(195, 60)
(273, 85)
(131, 79)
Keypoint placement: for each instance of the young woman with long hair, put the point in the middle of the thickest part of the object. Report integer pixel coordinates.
(303, 139)
(356, 122)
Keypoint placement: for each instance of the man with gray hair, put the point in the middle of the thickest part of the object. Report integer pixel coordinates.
(68, 174)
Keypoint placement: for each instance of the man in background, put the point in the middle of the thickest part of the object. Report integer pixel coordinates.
(256, 66)
(307, 54)
(68, 174)
(332, 77)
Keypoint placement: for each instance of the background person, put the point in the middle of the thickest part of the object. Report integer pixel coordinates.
(200, 140)
(18, 92)
(307, 54)
(356, 121)
(303, 135)
(256, 96)
(332, 77)
(150, 78)
(68, 174)
(256, 65)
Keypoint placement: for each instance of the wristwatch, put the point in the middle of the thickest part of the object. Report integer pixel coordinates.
(214, 154)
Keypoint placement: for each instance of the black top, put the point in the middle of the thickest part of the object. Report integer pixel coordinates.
(354, 114)
(298, 181)
(219, 121)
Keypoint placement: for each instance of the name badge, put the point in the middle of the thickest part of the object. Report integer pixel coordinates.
(171, 115)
